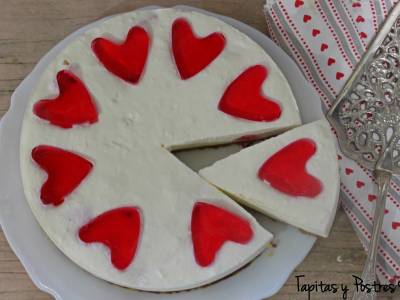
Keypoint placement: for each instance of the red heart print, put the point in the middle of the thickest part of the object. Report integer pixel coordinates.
(306, 18)
(243, 98)
(324, 47)
(72, 106)
(339, 75)
(119, 230)
(360, 184)
(127, 59)
(211, 227)
(315, 32)
(348, 171)
(386, 211)
(363, 35)
(298, 3)
(331, 61)
(360, 19)
(65, 171)
(371, 198)
(286, 170)
(356, 4)
(191, 53)
(394, 279)
(395, 225)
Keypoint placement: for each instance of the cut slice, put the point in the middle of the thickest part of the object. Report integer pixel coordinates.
(293, 177)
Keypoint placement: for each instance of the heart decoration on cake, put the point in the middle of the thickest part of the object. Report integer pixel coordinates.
(244, 99)
(211, 227)
(286, 170)
(72, 106)
(191, 53)
(119, 230)
(126, 60)
(65, 171)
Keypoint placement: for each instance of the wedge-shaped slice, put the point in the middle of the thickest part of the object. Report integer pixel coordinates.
(293, 177)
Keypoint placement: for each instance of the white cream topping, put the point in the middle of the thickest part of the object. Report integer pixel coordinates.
(137, 123)
(237, 175)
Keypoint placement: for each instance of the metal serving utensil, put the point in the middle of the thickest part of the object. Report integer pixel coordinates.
(366, 116)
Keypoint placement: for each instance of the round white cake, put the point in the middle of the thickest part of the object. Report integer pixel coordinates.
(95, 156)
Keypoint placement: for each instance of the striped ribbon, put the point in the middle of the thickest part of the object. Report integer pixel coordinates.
(327, 38)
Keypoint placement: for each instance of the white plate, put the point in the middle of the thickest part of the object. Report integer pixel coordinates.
(54, 273)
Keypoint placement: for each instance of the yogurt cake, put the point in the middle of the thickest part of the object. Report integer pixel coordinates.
(97, 134)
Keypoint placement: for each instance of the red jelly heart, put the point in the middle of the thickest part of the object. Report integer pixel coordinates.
(211, 227)
(65, 171)
(286, 170)
(126, 60)
(119, 230)
(191, 53)
(72, 106)
(243, 98)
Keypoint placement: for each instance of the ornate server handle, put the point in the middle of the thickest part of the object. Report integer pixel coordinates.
(368, 274)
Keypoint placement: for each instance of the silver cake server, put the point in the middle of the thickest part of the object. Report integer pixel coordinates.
(366, 117)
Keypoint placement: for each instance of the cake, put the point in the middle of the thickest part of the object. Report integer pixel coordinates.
(292, 177)
(97, 136)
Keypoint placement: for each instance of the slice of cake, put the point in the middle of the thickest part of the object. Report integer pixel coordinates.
(293, 177)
